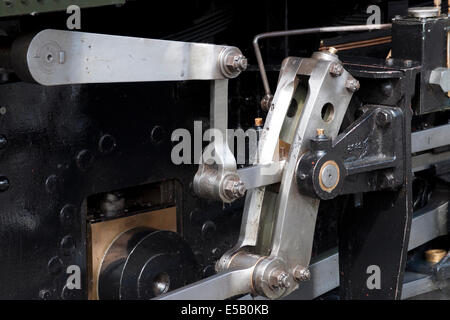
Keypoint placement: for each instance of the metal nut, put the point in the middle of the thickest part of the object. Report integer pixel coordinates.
(234, 189)
(383, 119)
(301, 274)
(239, 189)
(237, 63)
(232, 62)
(352, 85)
(336, 69)
(441, 77)
(279, 279)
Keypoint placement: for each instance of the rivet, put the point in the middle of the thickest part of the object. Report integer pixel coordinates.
(4, 184)
(208, 230)
(3, 142)
(45, 294)
(68, 214)
(51, 183)
(68, 245)
(55, 265)
(157, 135)
(68, 294)
(107, 143)
(84, 159)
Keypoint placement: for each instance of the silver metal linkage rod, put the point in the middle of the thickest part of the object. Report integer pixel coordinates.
(254, 177)
(430, 138)
(218, 287)
(297, 32)
(58, 57)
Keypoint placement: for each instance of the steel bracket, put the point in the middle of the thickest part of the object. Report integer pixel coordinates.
(365, 157)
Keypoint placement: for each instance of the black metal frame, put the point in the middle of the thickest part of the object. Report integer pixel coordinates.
(376, 231)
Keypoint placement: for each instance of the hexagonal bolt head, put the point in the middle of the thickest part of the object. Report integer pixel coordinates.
(336, 69)
(234, 189)
(232, 62)
(301, 274)
(383, 119)
(279, 279)
(352, 85)
(441, 77)
(236, 63)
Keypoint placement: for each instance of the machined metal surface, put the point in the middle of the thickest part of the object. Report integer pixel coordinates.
(267, 148)
(417, 283)
(218, 287)
(142, 263)
(428, 225)
(324, 277)
(235, 281)
(427, 160)
(55, 57)
(430, 138)
(217, 176)
(329, 175)
(423, 12)
(295, 214)
(255, 177)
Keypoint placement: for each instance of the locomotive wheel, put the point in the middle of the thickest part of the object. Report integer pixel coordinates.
(143, 263)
